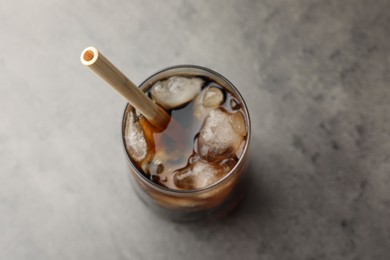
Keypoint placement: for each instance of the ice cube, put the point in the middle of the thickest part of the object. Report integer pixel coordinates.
(199, 175)
(213, 97)
(176, 91)
(234, 104)
(135, 138)
(162, 162)
(237, 121)
(152, 165)
(228, 164)
(221, 135)
(156, 166)
(210, 98)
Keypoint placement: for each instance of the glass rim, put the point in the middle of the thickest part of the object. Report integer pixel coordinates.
(223, 179)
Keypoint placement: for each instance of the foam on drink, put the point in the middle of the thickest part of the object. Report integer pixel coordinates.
(214, 134)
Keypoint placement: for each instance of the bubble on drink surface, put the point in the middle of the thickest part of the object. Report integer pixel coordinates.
(135, 137)
(199, 175)
(221, 135)
(176, 91)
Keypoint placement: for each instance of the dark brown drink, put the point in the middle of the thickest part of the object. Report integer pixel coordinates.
(191, 169)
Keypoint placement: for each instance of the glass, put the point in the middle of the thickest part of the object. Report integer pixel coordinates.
(211, 202)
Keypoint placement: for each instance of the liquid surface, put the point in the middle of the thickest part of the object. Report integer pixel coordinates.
(202, 142)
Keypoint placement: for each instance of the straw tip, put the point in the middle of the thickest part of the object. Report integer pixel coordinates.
(89, 55)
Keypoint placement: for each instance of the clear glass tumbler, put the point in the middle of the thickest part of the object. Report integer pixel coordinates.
(212, 202)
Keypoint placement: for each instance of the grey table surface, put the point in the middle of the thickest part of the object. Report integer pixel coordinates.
(315, 76)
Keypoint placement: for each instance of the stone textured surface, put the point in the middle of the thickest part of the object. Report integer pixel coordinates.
(315, 75)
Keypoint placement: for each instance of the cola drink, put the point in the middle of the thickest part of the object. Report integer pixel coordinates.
(192, 169)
